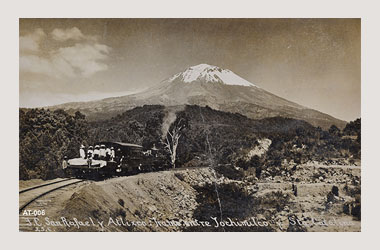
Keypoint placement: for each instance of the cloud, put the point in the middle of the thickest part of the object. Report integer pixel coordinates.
(67, 34)
(83, 59)
(30, 42)
(54, 67)
(87, 58)
(35, 64)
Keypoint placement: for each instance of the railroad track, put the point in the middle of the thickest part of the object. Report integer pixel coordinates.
(29, 195)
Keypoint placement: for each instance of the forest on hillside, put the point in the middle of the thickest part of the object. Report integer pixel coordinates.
(47, 136)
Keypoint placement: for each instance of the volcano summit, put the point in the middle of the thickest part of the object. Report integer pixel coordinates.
(206, 85)
(209, 74)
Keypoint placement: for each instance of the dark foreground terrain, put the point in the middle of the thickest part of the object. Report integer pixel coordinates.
(202, 200)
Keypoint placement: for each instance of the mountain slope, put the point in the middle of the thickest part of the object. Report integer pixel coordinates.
(207, 85)
(228, 135)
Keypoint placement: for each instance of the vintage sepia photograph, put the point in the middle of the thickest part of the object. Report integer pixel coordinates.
(189, 125)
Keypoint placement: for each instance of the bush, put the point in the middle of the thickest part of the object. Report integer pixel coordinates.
(236, 204)
(230, 172)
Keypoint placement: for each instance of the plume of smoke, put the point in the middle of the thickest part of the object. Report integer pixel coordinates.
(170, 139)
(169, 118)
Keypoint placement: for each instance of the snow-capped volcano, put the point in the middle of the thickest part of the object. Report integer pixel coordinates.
(210, 74)
(206, 85)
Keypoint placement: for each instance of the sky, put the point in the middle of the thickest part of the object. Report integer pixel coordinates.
(313, 62)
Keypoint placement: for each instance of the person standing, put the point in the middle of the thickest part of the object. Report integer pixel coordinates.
(108, 154)
(119, 157)
(90, 152)
(112, 153)
(102, 152)
(64, 163)
(82, 153)
(96, 152)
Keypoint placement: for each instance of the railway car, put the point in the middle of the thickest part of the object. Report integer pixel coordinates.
(129, 159)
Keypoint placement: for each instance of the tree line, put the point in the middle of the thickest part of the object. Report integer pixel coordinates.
(47, 136)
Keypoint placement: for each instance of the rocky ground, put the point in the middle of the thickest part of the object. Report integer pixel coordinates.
(308, 197)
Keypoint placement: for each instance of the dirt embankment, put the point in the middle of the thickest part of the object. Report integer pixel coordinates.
(142, 200)
(190, 200)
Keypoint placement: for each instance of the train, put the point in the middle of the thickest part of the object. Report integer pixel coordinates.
(129, 159)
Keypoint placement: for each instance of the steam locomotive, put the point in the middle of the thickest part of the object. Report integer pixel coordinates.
(129, 159)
